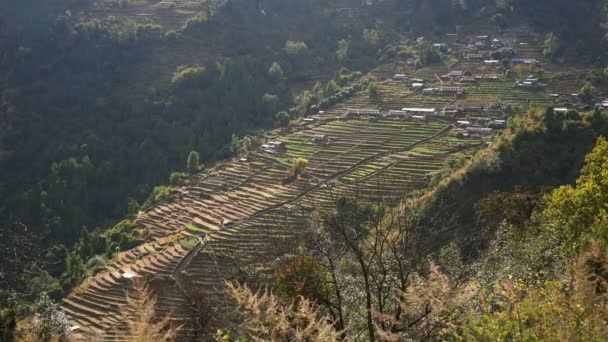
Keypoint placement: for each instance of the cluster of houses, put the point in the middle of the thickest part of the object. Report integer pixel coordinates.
(404, 113)
(478, 126)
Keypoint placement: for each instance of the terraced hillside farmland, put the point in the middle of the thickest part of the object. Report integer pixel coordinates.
(235, 220)
(170, 14)
(247, 213)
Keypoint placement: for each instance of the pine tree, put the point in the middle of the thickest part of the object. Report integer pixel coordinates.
(193, 164)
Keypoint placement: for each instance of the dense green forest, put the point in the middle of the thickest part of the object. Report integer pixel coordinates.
(99, 135)
(97, 113)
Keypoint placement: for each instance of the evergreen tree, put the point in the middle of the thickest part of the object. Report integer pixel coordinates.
(193, 164)
(75, 270)
(587, 92)
(275, 72)
(8, 324)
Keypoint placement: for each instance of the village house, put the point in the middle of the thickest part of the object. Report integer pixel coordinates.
(445, 91)
(530, 83)
(399, 114)
(496, 44)
(441, 47)
(516, 61)
(418, 117)
(602, 104)
(455, 75)
(320, 138)
(501, 106)
(473, 109)
(476, 56)
(401, 77)
(357, 113)
(417, 85)
(420, 111)
(507, 50)
(479, 131)
(274, 146)
(482, 121)
(463, 123)
(308, 121)
(467, 79)
(453, 110)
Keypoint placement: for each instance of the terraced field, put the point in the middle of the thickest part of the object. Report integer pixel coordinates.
(97, 305)
(247, 214)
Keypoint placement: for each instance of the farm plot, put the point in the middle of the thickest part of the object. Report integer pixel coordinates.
(486, 93)
(229, 193)
(524, 98)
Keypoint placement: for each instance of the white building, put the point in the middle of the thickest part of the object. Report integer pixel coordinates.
(401, 77)
(420, 111)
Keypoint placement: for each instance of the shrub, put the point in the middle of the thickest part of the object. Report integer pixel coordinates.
(178, 178)
(299, 167)
(187, 76)
(295, 48)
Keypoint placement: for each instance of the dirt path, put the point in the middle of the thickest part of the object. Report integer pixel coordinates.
(185, 262)
(337, 175)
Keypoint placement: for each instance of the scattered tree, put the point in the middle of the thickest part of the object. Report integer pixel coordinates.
(373, 90)
(342, 51)
(372, 36)
(49, 321)
(282, 118)
(75, 271)
(587, 92)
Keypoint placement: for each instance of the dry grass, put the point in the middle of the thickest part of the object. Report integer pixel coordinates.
(267, 319)
(139, 313)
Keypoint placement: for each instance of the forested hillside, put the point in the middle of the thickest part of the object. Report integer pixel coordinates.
(117, 117)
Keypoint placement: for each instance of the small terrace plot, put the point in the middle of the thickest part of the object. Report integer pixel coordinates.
(96, 306)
